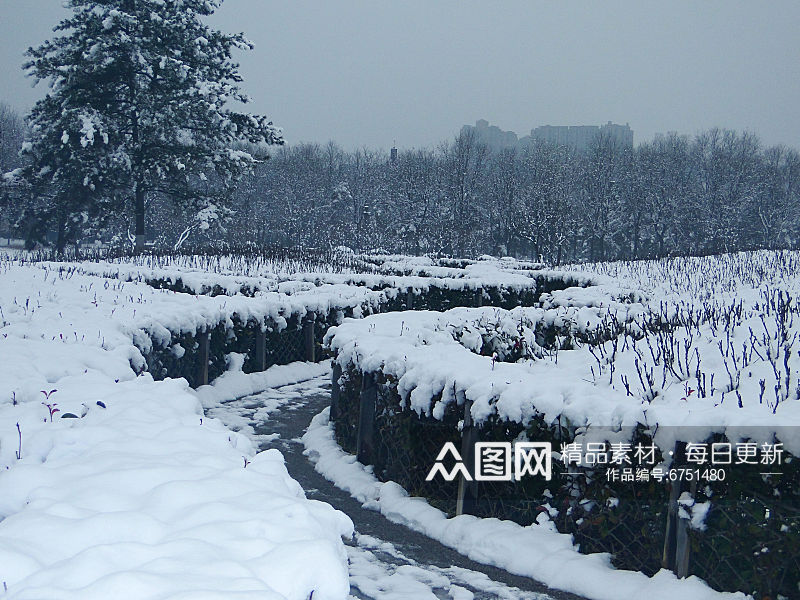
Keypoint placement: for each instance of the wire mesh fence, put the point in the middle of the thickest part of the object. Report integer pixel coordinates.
(406, 445)
(751, 538)
(183, 354)
(748, 541)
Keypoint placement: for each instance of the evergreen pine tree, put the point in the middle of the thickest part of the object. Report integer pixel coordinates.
(140, 104)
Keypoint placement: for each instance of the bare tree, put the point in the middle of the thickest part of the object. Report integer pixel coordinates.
(415, 185)
(777, 207)
(12, 135)
(727, 164)
(465, 161)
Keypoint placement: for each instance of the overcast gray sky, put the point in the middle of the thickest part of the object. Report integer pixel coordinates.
(366, 73)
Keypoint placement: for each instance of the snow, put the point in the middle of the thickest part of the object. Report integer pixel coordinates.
(405, 582)
(273, 297)
(89, 127)
(431, 354)
(139, 495)
(147, 499)
(253, 389)
(536, 551)
(694, 511)
(378, 568)
(414, 274)
(235, 384)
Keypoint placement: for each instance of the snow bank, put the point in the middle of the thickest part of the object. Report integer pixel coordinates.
(235, 384)
(121, 487)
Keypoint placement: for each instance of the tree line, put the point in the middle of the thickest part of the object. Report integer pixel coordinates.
(136, 130)
(718, 191)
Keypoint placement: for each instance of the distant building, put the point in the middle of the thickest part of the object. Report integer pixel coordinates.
(493, 136)
(578, 137)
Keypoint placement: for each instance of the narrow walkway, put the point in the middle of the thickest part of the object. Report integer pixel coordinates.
(387, 561)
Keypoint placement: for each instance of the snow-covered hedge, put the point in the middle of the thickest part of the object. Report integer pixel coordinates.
(499, 280)
(687, 365)
(432, 354)
(276, 301)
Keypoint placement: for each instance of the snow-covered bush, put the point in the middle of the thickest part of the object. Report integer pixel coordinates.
(706, 351)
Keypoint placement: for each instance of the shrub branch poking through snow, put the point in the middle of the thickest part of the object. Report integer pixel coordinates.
(51, 406)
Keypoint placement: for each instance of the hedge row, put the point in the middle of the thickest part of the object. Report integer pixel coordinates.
(749, 540)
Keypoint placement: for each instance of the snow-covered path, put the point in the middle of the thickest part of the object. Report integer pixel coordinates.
(387, 561)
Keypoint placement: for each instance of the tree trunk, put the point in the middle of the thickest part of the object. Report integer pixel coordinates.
(61, 240)
(139, 212)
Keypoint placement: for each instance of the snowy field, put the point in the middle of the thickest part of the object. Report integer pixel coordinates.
(116, 485)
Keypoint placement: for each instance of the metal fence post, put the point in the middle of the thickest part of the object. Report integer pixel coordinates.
(366, 419)
(335, 391)
(261, 350)
(202, 357)
(467, 490)
(668, 557)
(682, 547)
(308, 337)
